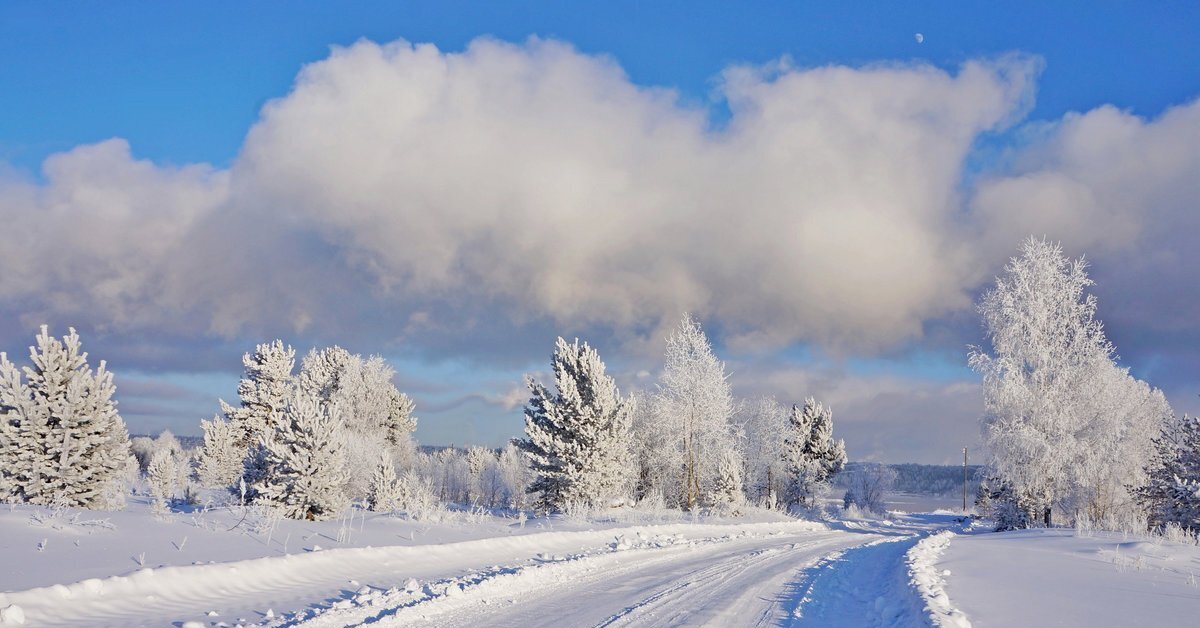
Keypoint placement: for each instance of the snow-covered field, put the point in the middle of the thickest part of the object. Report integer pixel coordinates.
(130, 568)
(1057, 578)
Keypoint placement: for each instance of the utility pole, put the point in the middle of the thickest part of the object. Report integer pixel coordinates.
(964, 480)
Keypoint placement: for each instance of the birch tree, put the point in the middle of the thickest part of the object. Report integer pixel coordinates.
(693, 407)
(1065, 427)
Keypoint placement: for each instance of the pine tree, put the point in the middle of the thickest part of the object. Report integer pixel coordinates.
(1172, 492)
(63, 441)
(727, 489)
(162, 475)
(577, 440)
(302, 462)
(810, 453)
(400, 420)
(263, 391)
(222, 457)
(385, 494)
(321, 371)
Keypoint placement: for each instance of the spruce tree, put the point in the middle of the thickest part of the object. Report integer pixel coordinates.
(63, 442)
(577, 439)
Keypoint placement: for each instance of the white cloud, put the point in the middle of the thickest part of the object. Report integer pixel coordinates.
(404, 192)
(1124, 190)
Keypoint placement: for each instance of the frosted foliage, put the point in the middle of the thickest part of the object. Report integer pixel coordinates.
(219, 463)
(763, 422)
(62, 441)
(376, 417)
(577, 439)
(810, 453)
(1063, 424)
(384, 494)
(162, 474)
(321, 371)
(303, 462)
(263, 391)
(362, 450)
(514, 476)
(1172, 491)
(689, 424)
(728, 487)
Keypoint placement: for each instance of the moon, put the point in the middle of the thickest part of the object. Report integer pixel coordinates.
(919, 37)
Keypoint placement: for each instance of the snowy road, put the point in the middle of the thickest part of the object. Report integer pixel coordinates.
(755, 574)
(719, 581)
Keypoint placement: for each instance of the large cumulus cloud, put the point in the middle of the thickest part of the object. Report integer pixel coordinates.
(398, 187)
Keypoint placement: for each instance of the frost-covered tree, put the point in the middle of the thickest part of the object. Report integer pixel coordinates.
(62, 441)
(385, 494)
(727, 493)
(690, 420)
(764, 422)
(810, 453)
(513, 471)
(162, 474)
(221, 458)
(866, 485)
(577, 438)
(264, 391)
(321, 371)
(1064, 426)
(302, 462)
(376, 416)
(1171, 495)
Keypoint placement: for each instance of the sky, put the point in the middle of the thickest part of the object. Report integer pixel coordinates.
(453, 185)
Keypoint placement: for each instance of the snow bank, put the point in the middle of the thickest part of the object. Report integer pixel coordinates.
(925, 577)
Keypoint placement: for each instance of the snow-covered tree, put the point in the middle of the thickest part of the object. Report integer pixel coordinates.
(384, 494)
(810, 453)
(62, 441)
(321, 371)
(480, 470)
(302, 462)
(689, 424)
(577, 438)
(1064, 426)
(1172, 491)
(727, 493)
(764, 422)
(513, 471)
(376, 416)
(264, 392)
(162, 474)
(866, 485)
(221, 458)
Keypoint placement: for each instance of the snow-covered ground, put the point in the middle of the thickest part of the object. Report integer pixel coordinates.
(130, 568)
(1057, 578)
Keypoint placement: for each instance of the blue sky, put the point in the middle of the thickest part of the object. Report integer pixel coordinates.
(183, 85)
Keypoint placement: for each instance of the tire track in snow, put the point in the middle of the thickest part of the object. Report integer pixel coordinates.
(700, 581)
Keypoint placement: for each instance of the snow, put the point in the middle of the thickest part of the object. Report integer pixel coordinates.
(1054, 577)
(624, 567)
(929, 581)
